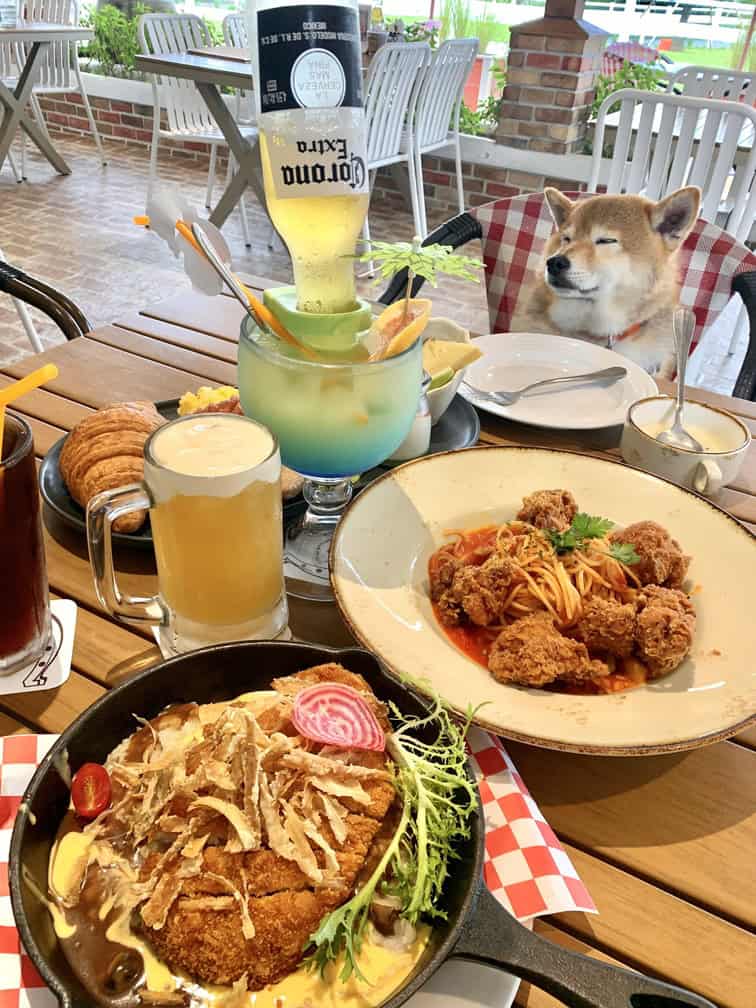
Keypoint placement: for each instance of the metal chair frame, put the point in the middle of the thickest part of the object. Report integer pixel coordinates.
(439, 103)
(188, 116)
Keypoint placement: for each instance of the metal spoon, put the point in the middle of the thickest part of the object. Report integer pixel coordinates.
(683, 325)
(503, 398)
(215, 251)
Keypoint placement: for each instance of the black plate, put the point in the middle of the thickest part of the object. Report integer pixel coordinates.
(473, 924)
(459, 427)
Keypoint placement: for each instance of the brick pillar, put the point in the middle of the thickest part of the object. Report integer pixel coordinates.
(551, 74)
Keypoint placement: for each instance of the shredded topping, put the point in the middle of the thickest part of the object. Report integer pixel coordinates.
(199, 792)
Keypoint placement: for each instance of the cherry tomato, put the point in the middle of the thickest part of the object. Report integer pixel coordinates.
(90, 790)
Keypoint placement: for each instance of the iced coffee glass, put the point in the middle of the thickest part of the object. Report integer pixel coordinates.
(24, 602)
(212, 486)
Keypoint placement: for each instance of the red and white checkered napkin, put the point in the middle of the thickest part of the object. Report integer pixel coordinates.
(20, 984)
(525, 866)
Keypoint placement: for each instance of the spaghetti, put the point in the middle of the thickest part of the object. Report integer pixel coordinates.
(541, 578)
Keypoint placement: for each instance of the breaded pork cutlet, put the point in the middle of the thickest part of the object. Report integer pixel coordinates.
(206, 935)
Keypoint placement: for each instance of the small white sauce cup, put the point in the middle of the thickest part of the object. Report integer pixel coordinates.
(706, 471)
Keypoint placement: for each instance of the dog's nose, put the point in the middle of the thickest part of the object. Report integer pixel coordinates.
(557, 264)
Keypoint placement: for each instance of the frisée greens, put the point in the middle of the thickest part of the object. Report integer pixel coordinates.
(438, 799)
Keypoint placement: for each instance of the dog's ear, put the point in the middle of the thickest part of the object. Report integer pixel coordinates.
(675, 215)
(559, 205)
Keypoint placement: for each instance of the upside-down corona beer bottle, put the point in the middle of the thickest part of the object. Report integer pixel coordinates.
(306, 60)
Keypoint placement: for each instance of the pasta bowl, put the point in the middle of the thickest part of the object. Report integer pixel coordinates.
(379, 566)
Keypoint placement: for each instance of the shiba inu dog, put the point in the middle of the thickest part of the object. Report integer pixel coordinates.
(610, 274)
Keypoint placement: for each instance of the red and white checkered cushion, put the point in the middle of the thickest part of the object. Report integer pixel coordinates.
(626, 52)
(515, 232)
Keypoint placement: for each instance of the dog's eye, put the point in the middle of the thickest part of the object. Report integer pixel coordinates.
(606, 241)
(565, 238)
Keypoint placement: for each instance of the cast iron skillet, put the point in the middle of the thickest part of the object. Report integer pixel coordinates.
(477, 927)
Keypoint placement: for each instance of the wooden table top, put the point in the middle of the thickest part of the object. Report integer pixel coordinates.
(665, 844)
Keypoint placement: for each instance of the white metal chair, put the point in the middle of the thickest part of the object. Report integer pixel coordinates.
(679, 141)
(391, 93)
(234, 34)
(8, 75)
(664, 141)
(59, 67)
(438, 104)
(188, 116)
(710, 82)
(729, 85)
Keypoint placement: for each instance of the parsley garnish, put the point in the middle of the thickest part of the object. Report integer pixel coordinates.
(624, 552)
(585, 527)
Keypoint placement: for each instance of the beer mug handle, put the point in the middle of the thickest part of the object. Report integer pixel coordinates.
(102, 511)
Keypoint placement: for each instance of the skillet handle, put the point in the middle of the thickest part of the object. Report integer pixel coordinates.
(493, 937)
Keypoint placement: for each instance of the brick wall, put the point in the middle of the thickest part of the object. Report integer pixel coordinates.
(131, 124)
(120, 121)
(482, 184)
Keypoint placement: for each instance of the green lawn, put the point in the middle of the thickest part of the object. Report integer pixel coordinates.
(704, 57)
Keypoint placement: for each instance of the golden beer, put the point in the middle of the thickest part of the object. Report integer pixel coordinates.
(320, 233)
(313, 141)
(212, 482)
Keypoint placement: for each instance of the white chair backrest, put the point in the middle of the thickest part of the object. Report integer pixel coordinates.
(390, 95)
(58, 59)
(709, 82)
(235, 31)
(176, 33)
(441, 90)
(664, 141)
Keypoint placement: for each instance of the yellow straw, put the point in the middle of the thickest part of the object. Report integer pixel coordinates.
(11, 392)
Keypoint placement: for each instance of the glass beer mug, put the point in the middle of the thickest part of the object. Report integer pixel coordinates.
(212, 487)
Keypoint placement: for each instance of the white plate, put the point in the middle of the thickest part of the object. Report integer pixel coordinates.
(512, 360)
(379, 563)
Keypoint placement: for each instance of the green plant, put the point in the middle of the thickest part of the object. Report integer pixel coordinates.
(216, 32)
(115, 43)
(484, 27)
(629, 75)
(484, 119)
(456, 19)
(499, 74)
(423, 31)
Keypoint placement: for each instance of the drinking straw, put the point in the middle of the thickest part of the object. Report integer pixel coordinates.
(11, 392)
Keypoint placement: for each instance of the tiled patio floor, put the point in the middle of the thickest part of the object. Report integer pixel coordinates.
(76, 232)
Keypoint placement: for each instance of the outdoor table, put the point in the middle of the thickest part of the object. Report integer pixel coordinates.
(665, 844)
(34, 38)
(209, 74)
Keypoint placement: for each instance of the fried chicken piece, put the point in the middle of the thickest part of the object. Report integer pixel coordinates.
(662, 561)
(441, 570)
(664, 629)
(478, 591)
(532, 652)
(607, 625)
(211, 947)
(548, 509)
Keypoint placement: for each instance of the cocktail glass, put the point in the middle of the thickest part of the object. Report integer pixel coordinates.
(333, 421)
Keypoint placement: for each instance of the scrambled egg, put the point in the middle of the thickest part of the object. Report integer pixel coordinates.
(190, 402)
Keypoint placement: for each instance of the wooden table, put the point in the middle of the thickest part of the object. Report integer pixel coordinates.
(665, 844)
(35, 37)
(210, 74)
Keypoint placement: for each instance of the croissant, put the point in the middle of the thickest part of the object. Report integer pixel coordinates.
(106, 450)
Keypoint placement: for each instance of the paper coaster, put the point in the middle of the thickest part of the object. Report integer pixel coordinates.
(54, 666)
